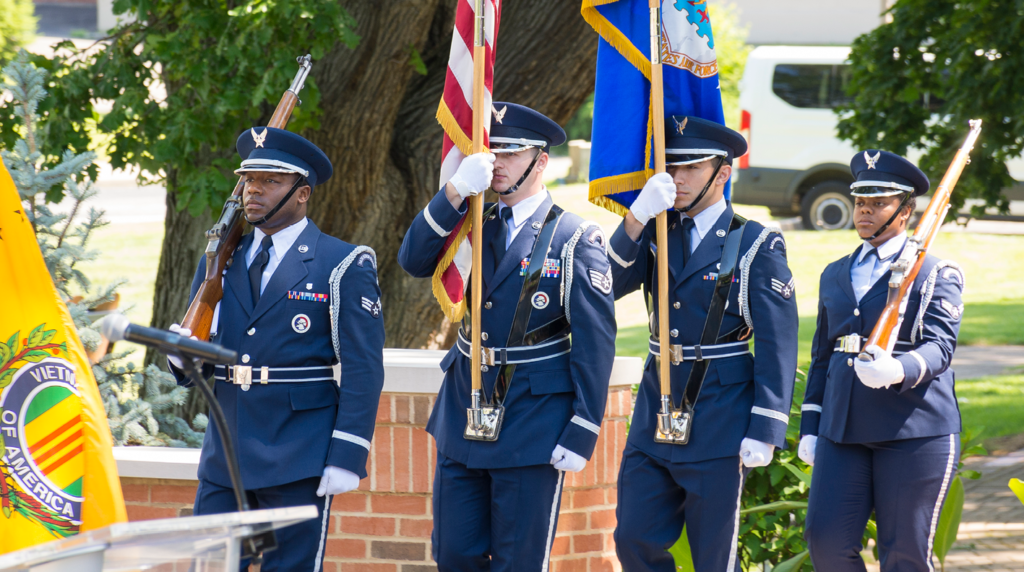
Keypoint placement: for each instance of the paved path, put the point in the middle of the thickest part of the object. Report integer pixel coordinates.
(991, 537)
(970, 362)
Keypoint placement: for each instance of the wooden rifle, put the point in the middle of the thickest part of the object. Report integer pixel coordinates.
(908, 265)
(227, 232)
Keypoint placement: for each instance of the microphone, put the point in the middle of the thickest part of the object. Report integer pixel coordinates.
(116, 327)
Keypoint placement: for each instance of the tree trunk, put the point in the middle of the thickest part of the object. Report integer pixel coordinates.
(379, 130)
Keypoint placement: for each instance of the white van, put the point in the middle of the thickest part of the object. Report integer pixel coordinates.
(796, 163)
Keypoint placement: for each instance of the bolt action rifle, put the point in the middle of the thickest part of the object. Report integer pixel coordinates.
(907, 266)
(224, 236)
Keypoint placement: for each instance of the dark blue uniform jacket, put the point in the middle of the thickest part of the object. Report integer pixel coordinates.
(838, 406)
(285, 432)
(556, 401)
(742, 396)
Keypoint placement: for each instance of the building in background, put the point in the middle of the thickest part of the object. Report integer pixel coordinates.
(807, 22)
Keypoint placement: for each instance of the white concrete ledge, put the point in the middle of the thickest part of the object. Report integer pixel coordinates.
(405, 371)
(157, 463)
(419, 371)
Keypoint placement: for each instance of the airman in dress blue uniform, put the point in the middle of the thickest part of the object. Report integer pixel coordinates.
(744, 403)
(299, 307)
(496, 501)
(882, 434)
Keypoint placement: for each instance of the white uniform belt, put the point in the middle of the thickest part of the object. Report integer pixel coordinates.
(700, 353)
(245, 374)
(855, 343)
(523, 354)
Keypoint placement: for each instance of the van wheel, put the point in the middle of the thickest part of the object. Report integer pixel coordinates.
(827, 206)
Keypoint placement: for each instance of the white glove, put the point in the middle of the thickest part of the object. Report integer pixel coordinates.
(473, 175)
(658, 195)
(184, 332)
(337, 481)
(565, 460)
(884, 371)
(754, 453)
(806, 449)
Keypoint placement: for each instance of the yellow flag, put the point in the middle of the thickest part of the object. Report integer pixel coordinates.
(57, 475)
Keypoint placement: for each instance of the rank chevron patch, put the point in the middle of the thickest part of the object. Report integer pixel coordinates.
(372, 307)
(602, 281)
(784, 288)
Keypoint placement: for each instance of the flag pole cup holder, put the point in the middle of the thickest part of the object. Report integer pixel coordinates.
(483, 422)
(673, 424)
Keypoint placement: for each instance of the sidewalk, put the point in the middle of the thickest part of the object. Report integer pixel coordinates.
(991, 537)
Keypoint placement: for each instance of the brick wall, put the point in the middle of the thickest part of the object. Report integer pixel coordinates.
(385, 526)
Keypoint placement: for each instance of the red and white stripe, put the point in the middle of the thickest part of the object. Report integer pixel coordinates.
(455, 114)
(458, 83)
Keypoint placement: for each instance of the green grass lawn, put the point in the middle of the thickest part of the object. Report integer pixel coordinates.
(993, 403)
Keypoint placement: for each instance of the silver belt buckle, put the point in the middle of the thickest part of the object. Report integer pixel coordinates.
(486, 356)
(242, 376)
(851, 344)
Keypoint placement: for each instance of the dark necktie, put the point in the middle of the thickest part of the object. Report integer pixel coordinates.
(688, 225)
(501, 237)
(259, 264)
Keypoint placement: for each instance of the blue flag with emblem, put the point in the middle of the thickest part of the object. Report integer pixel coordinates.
(622, 137)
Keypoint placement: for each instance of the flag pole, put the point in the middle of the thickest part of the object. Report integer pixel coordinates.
(477, 203)
(658, 122)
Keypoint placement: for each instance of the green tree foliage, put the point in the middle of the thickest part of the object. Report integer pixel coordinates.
(138, 401)
(917, 80)
(184, 78)
(17, 27)
(732, 50)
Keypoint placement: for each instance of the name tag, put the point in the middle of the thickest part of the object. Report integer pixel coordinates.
(307, 296)
(552, 267)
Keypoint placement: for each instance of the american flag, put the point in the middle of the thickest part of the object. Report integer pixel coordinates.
(455, 114)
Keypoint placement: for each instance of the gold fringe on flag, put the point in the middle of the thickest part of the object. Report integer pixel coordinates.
(613, 36)
(451, 128)
(453, 311)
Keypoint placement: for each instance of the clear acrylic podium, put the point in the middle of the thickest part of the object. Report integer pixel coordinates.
(210, 543)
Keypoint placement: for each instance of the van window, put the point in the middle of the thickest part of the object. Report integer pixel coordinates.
(811, 85)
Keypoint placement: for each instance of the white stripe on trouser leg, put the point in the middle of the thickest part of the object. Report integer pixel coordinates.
(938, 502)
(551, 523)
(736, 527)
(323, 533)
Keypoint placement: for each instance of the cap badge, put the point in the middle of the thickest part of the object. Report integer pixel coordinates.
(681, 126)
(872, 160)
(499, 115)
(259, 138)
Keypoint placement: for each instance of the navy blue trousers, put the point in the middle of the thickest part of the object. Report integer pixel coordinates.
(904, 482)
(494, 519)
(657, 497)
(300, 547)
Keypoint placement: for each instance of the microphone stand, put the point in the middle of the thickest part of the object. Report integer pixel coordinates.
(252, 546)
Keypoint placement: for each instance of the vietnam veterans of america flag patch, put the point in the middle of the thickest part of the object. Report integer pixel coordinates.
(308, 296)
